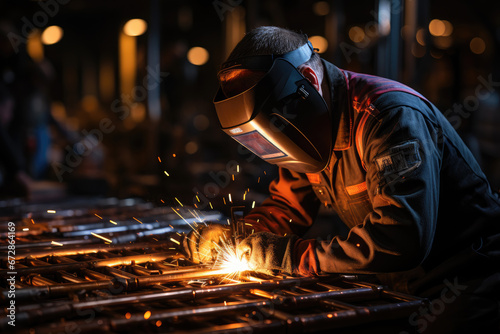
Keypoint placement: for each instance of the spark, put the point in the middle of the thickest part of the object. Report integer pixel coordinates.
(162, 201)
(290, 220)
(258, 181)
(137, 220)
(232, 176)
(178, 201)
(166, 173)
(253, 204)
(26, 229)
(224, 200)
(128, 315)
(173, 155)
(56, 243)
(248, 224)
(32, 221)
(101, 237)
(147, 315)
(228, 222)
(211, 205)
(170, 226)
(198, 198)
(51, 211)
(155, 239)
(244, 195)
(113, 222)
(177, 242)
(97, 216)
(182, 218)
(228, 262)
(230, 199)
(159, 159)
(237, 168)
(265, 173)
(158, 323)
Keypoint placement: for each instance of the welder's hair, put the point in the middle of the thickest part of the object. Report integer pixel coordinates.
(269, 40)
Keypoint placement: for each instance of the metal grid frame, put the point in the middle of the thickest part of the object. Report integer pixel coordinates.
(141, 281)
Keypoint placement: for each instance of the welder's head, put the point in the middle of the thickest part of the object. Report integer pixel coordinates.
(270, 99)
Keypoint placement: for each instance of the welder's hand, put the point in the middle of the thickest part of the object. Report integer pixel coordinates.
(202, 245)
(267, 252)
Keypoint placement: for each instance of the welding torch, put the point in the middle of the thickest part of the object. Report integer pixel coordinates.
(238, 231)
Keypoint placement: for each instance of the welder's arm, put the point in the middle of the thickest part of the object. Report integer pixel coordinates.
(402, 158)
(290, 208)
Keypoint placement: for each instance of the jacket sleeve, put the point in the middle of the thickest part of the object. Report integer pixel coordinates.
(290, 208)
(402, 157)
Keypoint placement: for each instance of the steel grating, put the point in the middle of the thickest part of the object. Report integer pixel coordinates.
(68, 280)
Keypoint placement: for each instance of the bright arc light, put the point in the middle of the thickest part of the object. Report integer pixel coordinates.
(319, 42)
(229, 263)
(52, 35)
(135, 27)
(198, 56)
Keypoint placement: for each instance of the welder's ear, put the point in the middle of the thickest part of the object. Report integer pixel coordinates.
(310, 75)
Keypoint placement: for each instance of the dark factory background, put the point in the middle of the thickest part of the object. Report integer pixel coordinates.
(114, 98)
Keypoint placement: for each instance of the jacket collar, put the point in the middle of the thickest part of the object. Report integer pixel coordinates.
(342, 113)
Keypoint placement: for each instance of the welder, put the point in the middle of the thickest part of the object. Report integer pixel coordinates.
(419, 211)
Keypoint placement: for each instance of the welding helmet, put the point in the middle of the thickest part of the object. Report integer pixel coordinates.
(282, 119)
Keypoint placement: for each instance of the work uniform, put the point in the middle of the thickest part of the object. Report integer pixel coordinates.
(403, 182)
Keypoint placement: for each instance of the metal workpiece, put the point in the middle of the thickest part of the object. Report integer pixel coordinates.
(103, 284)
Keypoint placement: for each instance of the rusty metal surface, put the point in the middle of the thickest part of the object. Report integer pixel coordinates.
(140, 281)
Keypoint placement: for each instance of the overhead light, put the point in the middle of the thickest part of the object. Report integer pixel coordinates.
(135, 27)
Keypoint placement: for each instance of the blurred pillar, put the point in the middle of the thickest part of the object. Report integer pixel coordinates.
(388, 61)
(234, 28)
(154, 105)
(331, 31)
(128, 63)
(411, 10)
(153, 83)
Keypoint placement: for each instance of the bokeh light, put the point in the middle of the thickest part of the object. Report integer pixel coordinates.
(321, 8)
(448, 28)
(191, 147)
(477, 45)
(135, 27)
(420, 37)
(319, 42)
(52, 35)
(437, 27)
(356, 34)
(198, 56)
